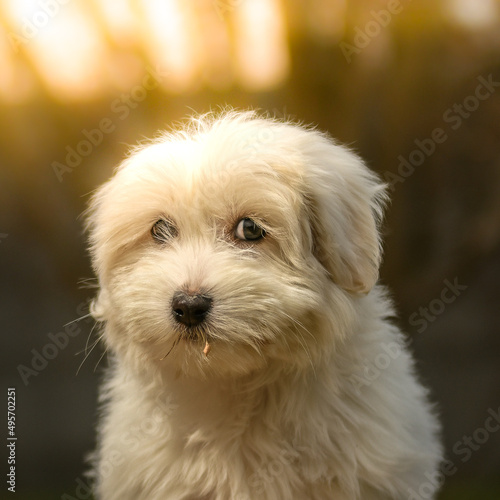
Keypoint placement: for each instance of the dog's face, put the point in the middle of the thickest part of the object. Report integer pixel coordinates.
(233, 243)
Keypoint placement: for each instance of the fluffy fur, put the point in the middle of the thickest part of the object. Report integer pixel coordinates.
(308, 391)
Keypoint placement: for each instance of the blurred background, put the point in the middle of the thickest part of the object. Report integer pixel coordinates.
(413, 86)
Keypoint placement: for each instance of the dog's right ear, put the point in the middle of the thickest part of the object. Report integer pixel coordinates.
(345, 202)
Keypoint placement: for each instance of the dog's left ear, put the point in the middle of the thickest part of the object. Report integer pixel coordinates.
(345, 204)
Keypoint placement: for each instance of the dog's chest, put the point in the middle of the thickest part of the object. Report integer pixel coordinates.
(216, 443)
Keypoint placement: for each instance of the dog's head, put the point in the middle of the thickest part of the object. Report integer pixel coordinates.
(233, 242)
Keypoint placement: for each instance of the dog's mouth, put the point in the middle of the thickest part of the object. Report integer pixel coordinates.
(196, 337)
(193, 336)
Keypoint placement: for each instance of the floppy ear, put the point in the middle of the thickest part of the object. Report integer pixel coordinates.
(345, 205)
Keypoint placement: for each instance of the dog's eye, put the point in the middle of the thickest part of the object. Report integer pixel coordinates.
(163, 230)
(248, 230)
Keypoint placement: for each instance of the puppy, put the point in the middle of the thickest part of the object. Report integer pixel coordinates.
(252, 354)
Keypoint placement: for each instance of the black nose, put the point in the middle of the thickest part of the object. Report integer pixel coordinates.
(189, 309)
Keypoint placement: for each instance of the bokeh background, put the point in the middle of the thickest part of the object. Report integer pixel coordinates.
(413, 86)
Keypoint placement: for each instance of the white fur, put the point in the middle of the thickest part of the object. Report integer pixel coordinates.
(308, 391)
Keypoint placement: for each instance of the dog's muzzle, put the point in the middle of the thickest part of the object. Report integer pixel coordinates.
(190, 309)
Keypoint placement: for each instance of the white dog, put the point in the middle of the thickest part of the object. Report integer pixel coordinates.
(253, 358)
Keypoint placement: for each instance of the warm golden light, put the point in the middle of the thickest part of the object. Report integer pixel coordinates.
(170, 42)
(62, 44)
(81, 49)
(474, 13)
(261, 49)
(70, 55)
(215, 49)
(16, 81)
(326, 19)
(120, 22)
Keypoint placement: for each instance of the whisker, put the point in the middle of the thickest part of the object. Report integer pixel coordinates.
(89, 353)
(88, 338)
(176, 341)
(89, 283)
(78, 319)
(84, 350)
(100, 359)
